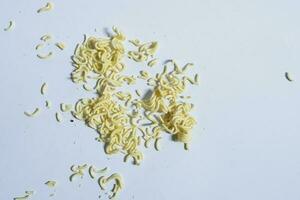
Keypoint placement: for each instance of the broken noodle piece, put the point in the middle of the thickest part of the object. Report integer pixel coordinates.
(11, 26)
(45, 56)
(34, 113)
(49, 6)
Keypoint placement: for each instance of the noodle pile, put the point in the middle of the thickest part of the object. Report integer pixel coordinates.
(119, 130)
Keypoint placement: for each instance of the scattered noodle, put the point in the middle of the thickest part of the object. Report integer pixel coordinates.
(22, 198)
(93, 171)
(27, 195)
(144, 75)
(102, 182)
(87, 87)
(60, 45)
(186, 146)
(118, 185)
(46, 38)
(138, 93)
(144, 51)
(39, 46)
(65, 107)
(11, 26)
(177, 69)
(187, 66)
(153, 62)
(185, 78)
(196, 79)
(288, 77)
(47, 7)
(135, 42)
(44, 88)
(33, 114)
(48, 104)
(58, 117)
(77, 171)
(45, 56)
(51, 184)
(156, 145)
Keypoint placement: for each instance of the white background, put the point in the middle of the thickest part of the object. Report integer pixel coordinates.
(246, 144)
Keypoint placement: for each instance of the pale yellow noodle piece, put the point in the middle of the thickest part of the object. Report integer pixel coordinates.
(92, 171)
(51, 184)
(34, 113)
(60, 45)
(288, 77)
(39, 46)
(71, 178)
(153, 62)
(187, 66)
(29, 192)
(138, 93)
(58, 117)
(45, 56)
(26, 196)
(82, 167)
(44, 88)
(87, 87)
(78, 171)
(190, 80)
(177, 69)
(11, 26)
(65, 107)
(48, 104)
(186, 146)
(22, 198)
(46, 38)
(101, 182)
(135, 42)
(49, 6)
(144, 74)
(196, 79)
(119, 184)
(156, 144)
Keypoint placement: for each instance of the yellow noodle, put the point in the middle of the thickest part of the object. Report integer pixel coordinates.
(46, 38)
(92, 171)
(49, 6)
(196, 79)
(60, 45)
(11, 26)
(153, 62)
(44, 88)
(156, 145)
(48, 104)
(288, 76)
(138, 93)
(45, 56)
(87, 88)
(58, 117)
(34, 113)
(51, 184)
(39, 46)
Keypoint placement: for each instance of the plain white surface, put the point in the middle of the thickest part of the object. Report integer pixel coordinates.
(246, 144)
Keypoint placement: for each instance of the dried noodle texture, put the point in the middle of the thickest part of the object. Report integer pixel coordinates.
(100, 56)
(112, 123)
(179, 122)
(168, 87)
(143, 52)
